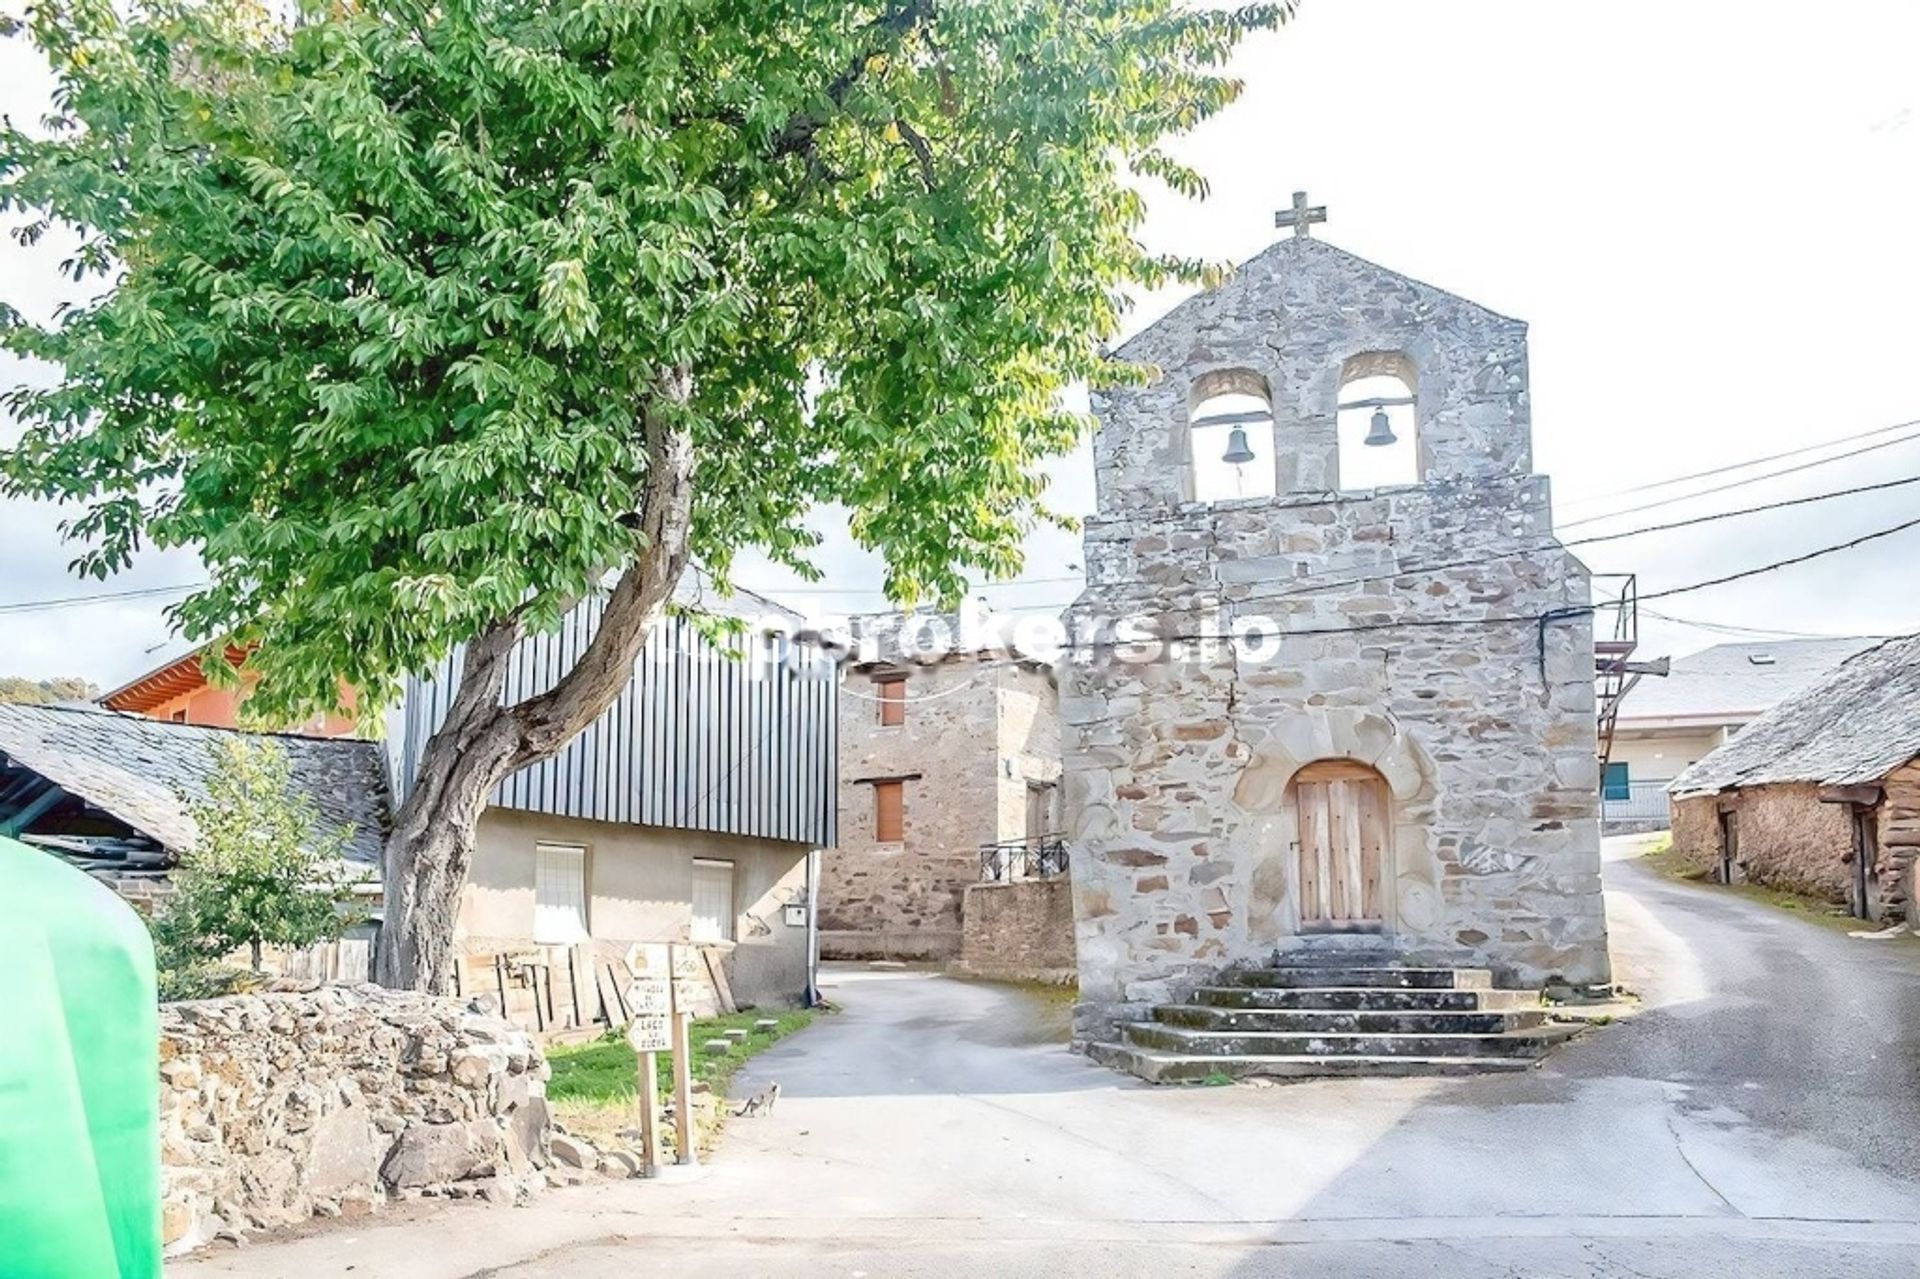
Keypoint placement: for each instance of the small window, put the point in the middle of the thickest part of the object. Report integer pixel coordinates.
(892, 692)
(1618, 786)
(179, 716)
(559, 894)
(712, 900)
(889, 812)
(1039, 811)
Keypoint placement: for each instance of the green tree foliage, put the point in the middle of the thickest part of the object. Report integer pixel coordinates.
(61, 688)
(262, 873)
(420, 320)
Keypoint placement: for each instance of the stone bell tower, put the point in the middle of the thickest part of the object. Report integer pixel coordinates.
(1324, 711)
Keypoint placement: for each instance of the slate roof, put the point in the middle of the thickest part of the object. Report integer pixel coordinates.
(1734, 683)
(1856, 725)
(138, 769)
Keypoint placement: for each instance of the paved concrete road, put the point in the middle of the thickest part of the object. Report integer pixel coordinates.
(1760, 1118)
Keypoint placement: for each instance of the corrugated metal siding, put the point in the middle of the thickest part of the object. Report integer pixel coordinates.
(699, 740)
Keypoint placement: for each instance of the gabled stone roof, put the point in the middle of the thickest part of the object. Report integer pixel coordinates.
(1244, 288)
(146, 771)
(1856, 725)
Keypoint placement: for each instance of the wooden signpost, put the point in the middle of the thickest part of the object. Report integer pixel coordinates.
(660, 1023)
(687, 968)
(649, 999)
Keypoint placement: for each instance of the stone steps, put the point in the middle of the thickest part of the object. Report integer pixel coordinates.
(1383, 977)
(1177, 1068)
(1254, 1043)
(1344, 1016)
(1368, 997)
(1349, 1021)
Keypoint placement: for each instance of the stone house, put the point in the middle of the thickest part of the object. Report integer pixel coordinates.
(1668, 723)
(1821, 795)
(1341, 693)
(949, 746)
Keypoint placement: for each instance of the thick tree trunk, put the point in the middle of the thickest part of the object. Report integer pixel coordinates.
(482, 741)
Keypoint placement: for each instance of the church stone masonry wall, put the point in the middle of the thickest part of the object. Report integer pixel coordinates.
(1177, 771)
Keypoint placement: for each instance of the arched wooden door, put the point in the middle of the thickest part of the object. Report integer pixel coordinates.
(1344, 812)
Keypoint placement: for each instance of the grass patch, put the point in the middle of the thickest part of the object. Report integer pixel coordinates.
(593, 1091)
(1663, 861)
(604, 1071)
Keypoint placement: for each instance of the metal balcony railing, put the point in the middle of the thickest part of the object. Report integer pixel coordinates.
(1041, 857)
(1644, 801)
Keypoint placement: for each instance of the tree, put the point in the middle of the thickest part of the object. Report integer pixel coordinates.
(261, 873)
(61, 688)
(422, 321)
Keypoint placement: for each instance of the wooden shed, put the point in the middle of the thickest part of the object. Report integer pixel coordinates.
(1821, 795)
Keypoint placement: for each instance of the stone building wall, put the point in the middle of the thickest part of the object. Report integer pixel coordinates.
(901, 899)
(1790, 839)
(278, 1107)
(1029, 751)
(1400, 628)
(1695, 829)
(979, 728)
(1022, 931)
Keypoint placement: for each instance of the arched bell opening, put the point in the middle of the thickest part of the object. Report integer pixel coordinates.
(1230, 436)
(1378, 424)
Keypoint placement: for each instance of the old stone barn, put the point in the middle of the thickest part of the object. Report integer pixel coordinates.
(1821, 795)
(1332, 679)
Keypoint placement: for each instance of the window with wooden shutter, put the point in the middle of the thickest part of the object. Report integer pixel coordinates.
(892, 692)
(889, 812)
(559, 894)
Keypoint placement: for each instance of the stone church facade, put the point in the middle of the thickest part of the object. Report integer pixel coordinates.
(1324, 718)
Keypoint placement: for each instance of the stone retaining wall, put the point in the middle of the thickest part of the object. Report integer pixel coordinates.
(281, 1106)
(1021, 930)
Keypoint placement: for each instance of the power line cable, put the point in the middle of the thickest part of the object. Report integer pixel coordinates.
(1596, 538)
(1741, 466)
(1557, 614)
(1761, 632)
(1591, 519)
(1315, 583)
(103, 597)
(1742, 483)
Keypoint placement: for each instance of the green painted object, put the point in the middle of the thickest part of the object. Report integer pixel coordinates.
(79, 1077)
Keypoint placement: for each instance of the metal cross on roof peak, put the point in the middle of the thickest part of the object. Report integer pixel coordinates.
(1300, 217)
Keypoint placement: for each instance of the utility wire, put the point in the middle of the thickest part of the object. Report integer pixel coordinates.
(1741, 466)
(1551, 615)
(1593, 539)
(1761, 632)
(142, 592)
(1742, 483)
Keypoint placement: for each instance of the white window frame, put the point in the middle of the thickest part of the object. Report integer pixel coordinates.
(560, 916)
(725, 929)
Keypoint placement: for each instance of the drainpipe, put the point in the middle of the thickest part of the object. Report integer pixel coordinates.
(813, 927)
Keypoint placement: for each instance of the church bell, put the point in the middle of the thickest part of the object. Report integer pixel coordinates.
(1380, 431)
(1239, 452)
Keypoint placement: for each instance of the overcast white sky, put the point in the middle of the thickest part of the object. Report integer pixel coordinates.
(1706, 211)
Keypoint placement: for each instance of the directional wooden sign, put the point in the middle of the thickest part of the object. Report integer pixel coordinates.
(649, 995)
(650, 1032)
